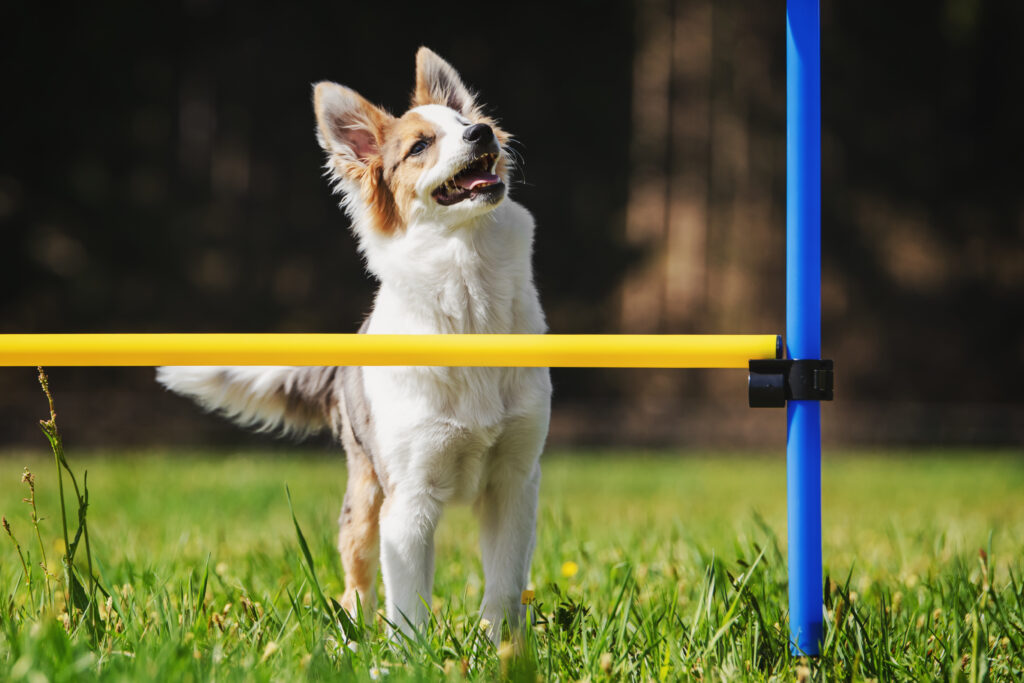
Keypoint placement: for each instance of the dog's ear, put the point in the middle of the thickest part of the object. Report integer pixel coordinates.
(437, 82)
(348, 125)
(351, 131)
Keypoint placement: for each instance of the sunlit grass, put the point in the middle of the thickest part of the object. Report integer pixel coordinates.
(648, 566)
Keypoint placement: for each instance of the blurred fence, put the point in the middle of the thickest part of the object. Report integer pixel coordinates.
(159, 173)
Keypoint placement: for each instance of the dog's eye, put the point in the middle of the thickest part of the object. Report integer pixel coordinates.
(418, 148)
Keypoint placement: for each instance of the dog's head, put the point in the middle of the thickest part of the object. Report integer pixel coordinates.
(442, 161)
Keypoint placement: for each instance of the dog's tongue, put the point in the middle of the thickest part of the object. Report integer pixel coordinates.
(474, 179)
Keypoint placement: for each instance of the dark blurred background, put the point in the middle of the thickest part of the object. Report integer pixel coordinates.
(159, 172)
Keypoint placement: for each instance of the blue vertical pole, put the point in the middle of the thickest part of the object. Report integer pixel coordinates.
(803, 318)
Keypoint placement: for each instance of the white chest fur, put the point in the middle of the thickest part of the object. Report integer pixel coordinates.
(442, 422)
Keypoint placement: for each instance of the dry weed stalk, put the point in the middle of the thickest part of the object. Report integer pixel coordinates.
(24, 565)
(74, 595)
(28, 478)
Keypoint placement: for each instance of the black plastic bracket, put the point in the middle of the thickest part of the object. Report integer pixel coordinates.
(773, 382)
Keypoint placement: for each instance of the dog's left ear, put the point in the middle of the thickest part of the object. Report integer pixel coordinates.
(437, 82)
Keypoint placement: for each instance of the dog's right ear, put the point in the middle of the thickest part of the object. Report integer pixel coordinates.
(348, 125)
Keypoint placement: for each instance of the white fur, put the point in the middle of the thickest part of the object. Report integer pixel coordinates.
(443, 434)
(252, 396)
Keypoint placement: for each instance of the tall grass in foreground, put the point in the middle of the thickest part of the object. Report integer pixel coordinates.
(78, 607)
(200, 571)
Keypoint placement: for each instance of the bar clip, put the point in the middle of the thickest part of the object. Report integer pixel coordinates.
(773, 382)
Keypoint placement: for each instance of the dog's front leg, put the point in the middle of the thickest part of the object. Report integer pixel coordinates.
(408, 519)
(508, 521)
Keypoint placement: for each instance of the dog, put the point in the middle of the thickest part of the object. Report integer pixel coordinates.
(426, 193)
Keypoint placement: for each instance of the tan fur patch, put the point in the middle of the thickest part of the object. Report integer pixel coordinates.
(358, 537)
(402, 171)
(380, 201)
(376, 194)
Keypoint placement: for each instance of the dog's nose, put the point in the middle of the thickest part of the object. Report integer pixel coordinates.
(477, 133)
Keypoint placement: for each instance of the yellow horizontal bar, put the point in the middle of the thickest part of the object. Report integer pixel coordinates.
(462, 350)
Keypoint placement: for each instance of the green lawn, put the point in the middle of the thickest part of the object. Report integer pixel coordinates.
(668, 585)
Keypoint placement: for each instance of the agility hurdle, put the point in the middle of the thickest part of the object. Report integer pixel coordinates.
(799, 381)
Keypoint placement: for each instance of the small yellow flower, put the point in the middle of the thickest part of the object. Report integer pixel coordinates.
(527, 597)
(570, 569)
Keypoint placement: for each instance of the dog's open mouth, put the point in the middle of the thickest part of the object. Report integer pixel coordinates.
(476, 178)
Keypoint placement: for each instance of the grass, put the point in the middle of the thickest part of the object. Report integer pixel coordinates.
(648, 567)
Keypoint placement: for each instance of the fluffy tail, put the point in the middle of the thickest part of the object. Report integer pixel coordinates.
(294, 400)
